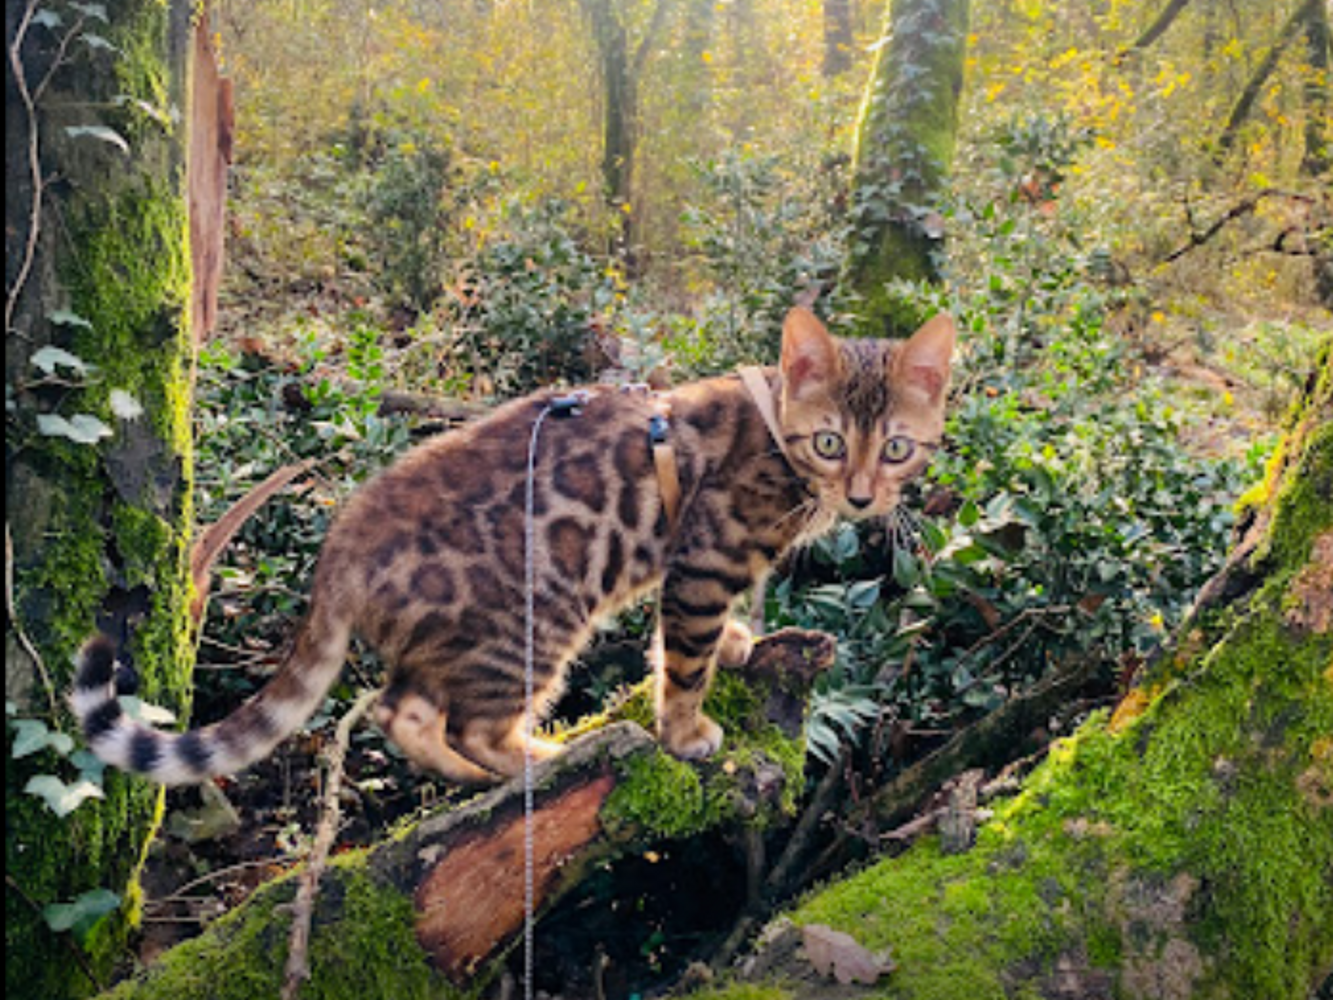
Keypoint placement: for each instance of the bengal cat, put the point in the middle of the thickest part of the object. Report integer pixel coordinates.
(427, 562)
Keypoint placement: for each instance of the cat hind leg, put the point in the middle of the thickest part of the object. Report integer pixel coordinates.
(417, 727)
(503, 745)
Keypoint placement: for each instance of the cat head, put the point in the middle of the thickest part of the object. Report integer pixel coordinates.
(861, 418)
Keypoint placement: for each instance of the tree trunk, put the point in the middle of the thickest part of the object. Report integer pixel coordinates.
(904, 152)
(97, 492)
(621, 71)
(1180, 848)
(1318, 92)
(434, 910)
(837, 37)
(1240, 111)
(1160, 23)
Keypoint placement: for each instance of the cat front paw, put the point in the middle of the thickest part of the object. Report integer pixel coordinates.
(736, 644)
(698, 742)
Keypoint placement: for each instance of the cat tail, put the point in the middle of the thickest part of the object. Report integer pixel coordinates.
(246, 735)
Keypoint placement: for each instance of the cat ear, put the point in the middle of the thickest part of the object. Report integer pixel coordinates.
(809, 353)
(923, 360)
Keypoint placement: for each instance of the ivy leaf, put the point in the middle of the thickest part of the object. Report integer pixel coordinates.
(96, 11)
(47, 18)
(33, 735)
(98, 42)
(60, 798)
(108, 135)
(82, 913)
(91, 767)
(82, 428)
(141, 711)
(49, 358)
(162, 116)
(125, 406)
(66, 318)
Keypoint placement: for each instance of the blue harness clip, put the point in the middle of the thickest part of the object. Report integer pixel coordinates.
(569, 406)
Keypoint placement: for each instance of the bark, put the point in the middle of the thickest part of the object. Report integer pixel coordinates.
(211, 126)
(904, 152)
(1180, 848)
(1318, 92)
(96, 266)
(1240, 111)
(434, 910)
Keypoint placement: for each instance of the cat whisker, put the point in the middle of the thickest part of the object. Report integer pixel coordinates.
(808, 509)
(903, 528)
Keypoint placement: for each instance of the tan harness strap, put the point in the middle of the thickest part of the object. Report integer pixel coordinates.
(762, 393)
(664, 460)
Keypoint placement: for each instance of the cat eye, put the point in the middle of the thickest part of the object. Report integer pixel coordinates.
(829, 444)
(898, 449)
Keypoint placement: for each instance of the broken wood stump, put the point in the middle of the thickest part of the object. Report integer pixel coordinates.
(612, 791)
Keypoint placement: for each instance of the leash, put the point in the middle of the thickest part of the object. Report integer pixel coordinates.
(561, 406)
(668, 479)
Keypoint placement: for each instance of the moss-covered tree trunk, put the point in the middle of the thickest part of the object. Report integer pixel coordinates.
(1180, 848)
(904, 151)
(98, 363)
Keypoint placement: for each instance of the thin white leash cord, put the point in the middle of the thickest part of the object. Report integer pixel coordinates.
(529, 721)
(565, 405)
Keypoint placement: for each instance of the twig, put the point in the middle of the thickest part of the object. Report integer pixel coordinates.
(213, 539)
(24, 642)
(777, 885)
(180, 895)
(985, 743)
(798, 845)
(29, 99)
(298, 964)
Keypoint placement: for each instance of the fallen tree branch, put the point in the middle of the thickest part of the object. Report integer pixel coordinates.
(1241, 209)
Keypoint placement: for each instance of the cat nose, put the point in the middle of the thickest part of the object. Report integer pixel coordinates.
(860, 503)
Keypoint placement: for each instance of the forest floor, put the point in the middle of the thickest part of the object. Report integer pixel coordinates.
(220, 843)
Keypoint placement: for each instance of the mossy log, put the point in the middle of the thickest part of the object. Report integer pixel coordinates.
(433, 910)
(1178, 848)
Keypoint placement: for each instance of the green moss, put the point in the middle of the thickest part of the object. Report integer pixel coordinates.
(362, 947)
(1200, 829)
(670, 798)
(662, 796)
(1303, 503)
(1205, 785)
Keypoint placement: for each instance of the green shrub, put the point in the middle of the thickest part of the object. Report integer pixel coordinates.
(527, 301)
